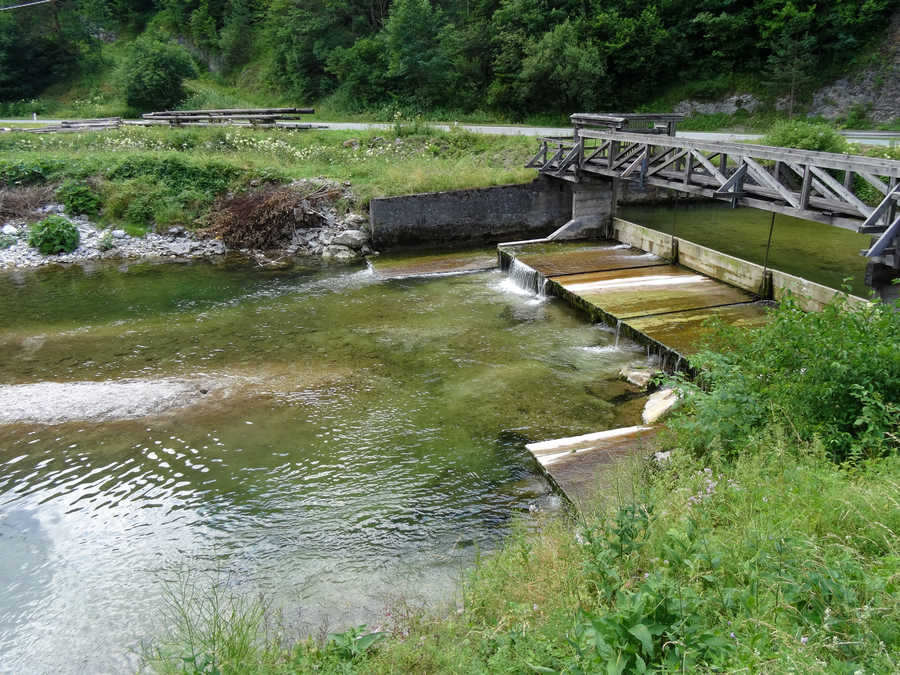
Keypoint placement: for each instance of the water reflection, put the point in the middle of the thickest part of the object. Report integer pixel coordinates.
(371, 443)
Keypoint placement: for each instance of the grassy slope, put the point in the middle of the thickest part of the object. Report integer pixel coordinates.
(167, 176)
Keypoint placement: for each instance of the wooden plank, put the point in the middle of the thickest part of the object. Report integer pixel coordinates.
(843, 192)
(874, 181)
(761, 175)
(233, 111)
(713, 171)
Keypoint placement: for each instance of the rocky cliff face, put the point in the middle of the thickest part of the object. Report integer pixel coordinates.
(875, 90)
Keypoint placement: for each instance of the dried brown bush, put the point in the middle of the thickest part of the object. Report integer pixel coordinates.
(24, 201)
(267, 218)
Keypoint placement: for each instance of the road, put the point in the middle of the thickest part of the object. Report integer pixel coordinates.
(866, 137)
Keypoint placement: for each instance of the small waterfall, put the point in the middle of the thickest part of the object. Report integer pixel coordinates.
(526, 277)
(618, 332)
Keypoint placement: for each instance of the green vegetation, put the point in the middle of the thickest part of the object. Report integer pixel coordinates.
(7, 240)
(767, 542)
(153, 74)
(805, 135)
(167, 177)
(54, 234)
(78, 198)
(406, 55)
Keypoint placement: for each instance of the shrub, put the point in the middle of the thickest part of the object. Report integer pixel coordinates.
(833, 374)
(153, 74)
(54, 234)
(79, 198)
(7, 240)
(106, 241)
(806, 136)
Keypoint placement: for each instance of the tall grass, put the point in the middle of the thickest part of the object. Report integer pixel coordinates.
(171, 176)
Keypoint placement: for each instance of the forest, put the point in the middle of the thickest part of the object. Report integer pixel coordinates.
(517, 57)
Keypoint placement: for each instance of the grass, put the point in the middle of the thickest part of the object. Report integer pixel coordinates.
(166, 176)
(767, 553)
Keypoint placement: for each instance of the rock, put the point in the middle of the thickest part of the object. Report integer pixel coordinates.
(176, 231)
(661, 457)
(352, 238)
(351, 143)
(119, 234)
(639, 377)
(340, 253)
(10, 229)
(355, 220)
(659, 404)
(728, 105)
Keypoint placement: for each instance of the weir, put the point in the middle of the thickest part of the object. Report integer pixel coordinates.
(661, 290)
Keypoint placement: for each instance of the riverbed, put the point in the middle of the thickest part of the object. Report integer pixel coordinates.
(346, 440)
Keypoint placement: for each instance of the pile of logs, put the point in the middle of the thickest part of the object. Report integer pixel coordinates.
(80, 125)
(257, 117)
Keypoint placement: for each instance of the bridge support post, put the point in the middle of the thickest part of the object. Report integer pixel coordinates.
(593, 205)
(880, 278)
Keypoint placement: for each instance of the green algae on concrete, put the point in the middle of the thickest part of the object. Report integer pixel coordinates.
(684, 332)
(625, 294)
(416, 263)
(571, 260)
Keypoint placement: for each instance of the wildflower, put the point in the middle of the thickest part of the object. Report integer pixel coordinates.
(804, 640)
(733, 636)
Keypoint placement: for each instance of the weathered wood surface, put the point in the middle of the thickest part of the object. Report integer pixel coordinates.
(803, 183)
(79, 125)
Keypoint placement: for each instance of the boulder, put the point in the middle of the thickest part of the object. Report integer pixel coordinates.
(10, 229)
(119, 234)
(639, 377)
(339, 253)
(352, 238)
(355, 220)
(659, 404)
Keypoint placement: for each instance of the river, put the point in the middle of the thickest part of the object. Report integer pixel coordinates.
(358, 439)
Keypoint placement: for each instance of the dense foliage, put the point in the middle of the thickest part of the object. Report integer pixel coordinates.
(79, 198)
(514, 56)
(54, 234)
(153, 74)
(806, 136)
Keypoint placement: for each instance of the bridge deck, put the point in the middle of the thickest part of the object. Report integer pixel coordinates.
(849, 191)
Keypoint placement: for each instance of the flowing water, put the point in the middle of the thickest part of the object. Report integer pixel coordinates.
(822, 253)
(359, 438)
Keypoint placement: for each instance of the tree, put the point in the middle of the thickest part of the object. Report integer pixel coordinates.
(153, 74)
(417, 58)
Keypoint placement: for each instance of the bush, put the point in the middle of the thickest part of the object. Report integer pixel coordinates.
(153, 74)
(806, 136)
(833, 374)
(54, 234)
(7, 240)
(79, 198)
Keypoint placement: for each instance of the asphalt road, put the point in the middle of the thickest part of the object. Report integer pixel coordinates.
(866, 137)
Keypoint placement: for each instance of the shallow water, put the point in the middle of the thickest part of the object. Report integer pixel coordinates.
(822, 253)
(367, 442)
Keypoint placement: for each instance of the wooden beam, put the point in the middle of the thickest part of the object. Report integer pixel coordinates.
(713, 171)
(842, 192)
(761, 175)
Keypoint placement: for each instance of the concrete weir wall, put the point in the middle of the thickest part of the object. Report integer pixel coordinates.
(772, 284)
(487, 214)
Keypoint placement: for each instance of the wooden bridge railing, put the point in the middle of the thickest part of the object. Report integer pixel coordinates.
(818, 186)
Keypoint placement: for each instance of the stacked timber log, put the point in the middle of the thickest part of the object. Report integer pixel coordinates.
(257, 117)
(79, 125)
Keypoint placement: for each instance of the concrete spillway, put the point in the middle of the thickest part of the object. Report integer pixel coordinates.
(647, 298)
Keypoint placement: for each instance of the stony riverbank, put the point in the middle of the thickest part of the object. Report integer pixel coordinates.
(339, 239)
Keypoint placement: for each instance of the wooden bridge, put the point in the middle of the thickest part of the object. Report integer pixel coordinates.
(826, 187)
